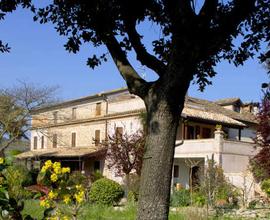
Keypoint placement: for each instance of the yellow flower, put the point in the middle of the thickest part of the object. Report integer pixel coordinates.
(43, 169)
(54, 177)
(57, 170)
(66, 217)
(66, 199)
(52, 195)
(1, 160)
(56, 165)
(79, 196)
(78, 187)
(44, 203)
(65, 170)
(46, 166)
(48, 163)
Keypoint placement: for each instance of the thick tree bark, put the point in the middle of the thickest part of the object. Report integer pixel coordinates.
(163, 119)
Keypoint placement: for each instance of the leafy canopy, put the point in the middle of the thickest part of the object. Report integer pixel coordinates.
(189, 35)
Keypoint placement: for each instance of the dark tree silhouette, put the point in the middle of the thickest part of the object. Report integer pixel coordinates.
(192, 40)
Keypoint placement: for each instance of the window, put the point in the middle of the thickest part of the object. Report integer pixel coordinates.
(175, 171)
(74, 113)
(54, 140)
(206, 133)
(35, 142)
(195, 177)
(73, 139)
(198, 130)
(236, 108)
(119, 132)
(97, 165)
(97, 137)
(55, 114)
(42, 142)
(190, 132)
(98, 109)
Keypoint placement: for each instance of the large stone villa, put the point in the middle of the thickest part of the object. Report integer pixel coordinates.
(71, 132)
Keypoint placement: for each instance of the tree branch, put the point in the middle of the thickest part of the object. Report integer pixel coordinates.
(177, 9)
(6, 145)
(142, 55)
(135, 83)
(228, 23)
(208, 10)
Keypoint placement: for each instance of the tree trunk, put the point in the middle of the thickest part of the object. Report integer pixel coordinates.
(163, 120)
(2, 153)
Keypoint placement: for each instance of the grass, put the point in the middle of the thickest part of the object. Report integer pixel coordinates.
(92, 212)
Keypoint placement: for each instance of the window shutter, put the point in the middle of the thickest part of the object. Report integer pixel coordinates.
(54, 140)
(73, 139)
(97, 137)
(98, 109)
(42, 142)
(55, 117)
(74, 113)
(35, 142)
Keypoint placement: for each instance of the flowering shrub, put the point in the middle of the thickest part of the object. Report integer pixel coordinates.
(10, 208)
(60, 191)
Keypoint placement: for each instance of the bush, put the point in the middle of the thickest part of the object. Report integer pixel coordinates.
(77, 178)
(106, 192)
(16, 178)
(180, 198)
(198, 199)
(266, 186)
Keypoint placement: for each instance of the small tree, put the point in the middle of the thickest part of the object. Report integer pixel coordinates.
(260, 164)
(215, 187)
(125, 153)
(15, 106)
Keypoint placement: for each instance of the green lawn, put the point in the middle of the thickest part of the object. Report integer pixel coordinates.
(90, 212)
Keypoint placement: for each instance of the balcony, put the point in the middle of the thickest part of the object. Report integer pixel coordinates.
(218, 145)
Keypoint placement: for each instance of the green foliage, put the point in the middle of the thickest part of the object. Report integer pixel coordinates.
(252, 204)
(32, 208)
(60, 190)
(132, 197)
(180, 198)
(133, 187)
(96, 175)
(77, 178)
(106, 192)
(10, 203)
(216, 189)
(16, 178)
(266, 187)
(198, 198)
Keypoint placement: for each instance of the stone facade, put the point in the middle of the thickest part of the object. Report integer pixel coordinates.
(78, 123)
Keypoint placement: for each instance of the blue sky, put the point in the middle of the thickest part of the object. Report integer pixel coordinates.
(38, 56)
